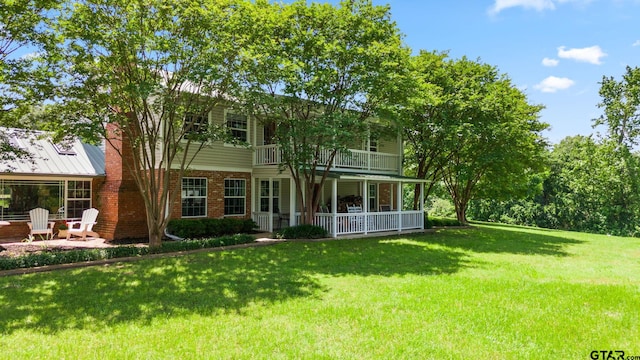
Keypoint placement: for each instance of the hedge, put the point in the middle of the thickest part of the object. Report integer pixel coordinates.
(206, 227)
(304, 231)
(440, 222)
(81, 255)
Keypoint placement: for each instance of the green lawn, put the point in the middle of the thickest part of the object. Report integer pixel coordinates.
(492, 292)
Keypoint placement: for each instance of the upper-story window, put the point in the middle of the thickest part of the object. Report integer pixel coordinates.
(238, 126)
(373, 145)
(195, 124)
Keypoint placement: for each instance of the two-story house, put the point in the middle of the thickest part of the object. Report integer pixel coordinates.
(364, 193)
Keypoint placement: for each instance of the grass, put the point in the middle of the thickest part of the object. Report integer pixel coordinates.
(498, 292)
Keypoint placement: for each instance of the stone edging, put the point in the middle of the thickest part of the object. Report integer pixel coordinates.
(46, 268)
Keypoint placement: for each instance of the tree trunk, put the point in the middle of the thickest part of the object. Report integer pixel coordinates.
(461, 212)
(155, 237)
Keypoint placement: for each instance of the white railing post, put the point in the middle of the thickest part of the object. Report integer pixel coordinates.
(334, 207)
(399, 193)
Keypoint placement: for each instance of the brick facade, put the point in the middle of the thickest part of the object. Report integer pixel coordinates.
(215, 192)
(122, 211)
(385, 194)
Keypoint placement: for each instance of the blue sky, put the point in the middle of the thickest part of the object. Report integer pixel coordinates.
(556, 51)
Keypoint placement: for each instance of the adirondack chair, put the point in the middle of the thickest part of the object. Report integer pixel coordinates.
(40, 223)
(83, 227)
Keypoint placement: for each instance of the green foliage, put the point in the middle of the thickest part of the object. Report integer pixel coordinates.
(591, 187)
(304, 231)
(75, 256)
(318, 72)
(440, 207)
(139, 71)
(206, 227)
(621, 104)
(437, 221)
(468, 126)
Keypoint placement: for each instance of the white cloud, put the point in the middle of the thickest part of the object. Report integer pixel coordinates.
(637, 43)
(553, 84)
(538, 5)
(591, 54)
(550, 62)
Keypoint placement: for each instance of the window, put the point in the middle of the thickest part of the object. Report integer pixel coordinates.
(238, 126)
(264, 196)
(17, 197)
(234, 196)
(373, 145)
(78, 198)
(195, 124)
(373, 195)
(194, 197)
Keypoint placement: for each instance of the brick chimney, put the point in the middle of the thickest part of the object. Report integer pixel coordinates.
(122, 211)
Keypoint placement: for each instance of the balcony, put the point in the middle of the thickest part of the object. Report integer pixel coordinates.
(355, 160)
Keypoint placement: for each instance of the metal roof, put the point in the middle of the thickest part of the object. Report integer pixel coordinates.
(70, 159)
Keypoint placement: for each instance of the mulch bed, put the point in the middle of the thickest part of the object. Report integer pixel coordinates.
(17, 250)
(14, 250)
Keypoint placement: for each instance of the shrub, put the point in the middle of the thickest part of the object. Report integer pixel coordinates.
(200, 228)
(304, 231)
(440, 222)
(81, 255)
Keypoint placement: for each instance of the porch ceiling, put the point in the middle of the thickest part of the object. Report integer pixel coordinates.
(374, 177)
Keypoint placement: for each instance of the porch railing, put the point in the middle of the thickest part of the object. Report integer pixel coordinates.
(354, 223)
(354, 159)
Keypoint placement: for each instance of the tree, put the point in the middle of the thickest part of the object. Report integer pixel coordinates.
(318, 73)
(498, 144)
(589, 187)
(26, 80)
(427, 115)
(621, 104)
(147, 72)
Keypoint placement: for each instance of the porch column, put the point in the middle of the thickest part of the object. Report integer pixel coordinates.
(270, 187)
(399, 194)
(292, 203)
(365, 205)
(368, 149)
(400, 152)
(422, 204)
(253, 199)
(334, 207)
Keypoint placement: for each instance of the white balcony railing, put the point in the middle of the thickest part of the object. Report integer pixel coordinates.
(354, 159)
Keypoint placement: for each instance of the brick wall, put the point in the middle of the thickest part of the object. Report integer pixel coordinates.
(385, 194)
(122, 212)
(215, 192)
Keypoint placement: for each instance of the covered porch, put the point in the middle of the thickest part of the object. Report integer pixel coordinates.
(349, 204)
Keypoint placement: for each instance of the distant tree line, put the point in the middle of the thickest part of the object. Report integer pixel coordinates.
(592, 183)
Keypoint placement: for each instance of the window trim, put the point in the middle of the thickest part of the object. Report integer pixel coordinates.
(247, 130)
(272, 196)
(374, 197)
(206, 117)
(184, 196)
(63, 200)
(225, 197)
